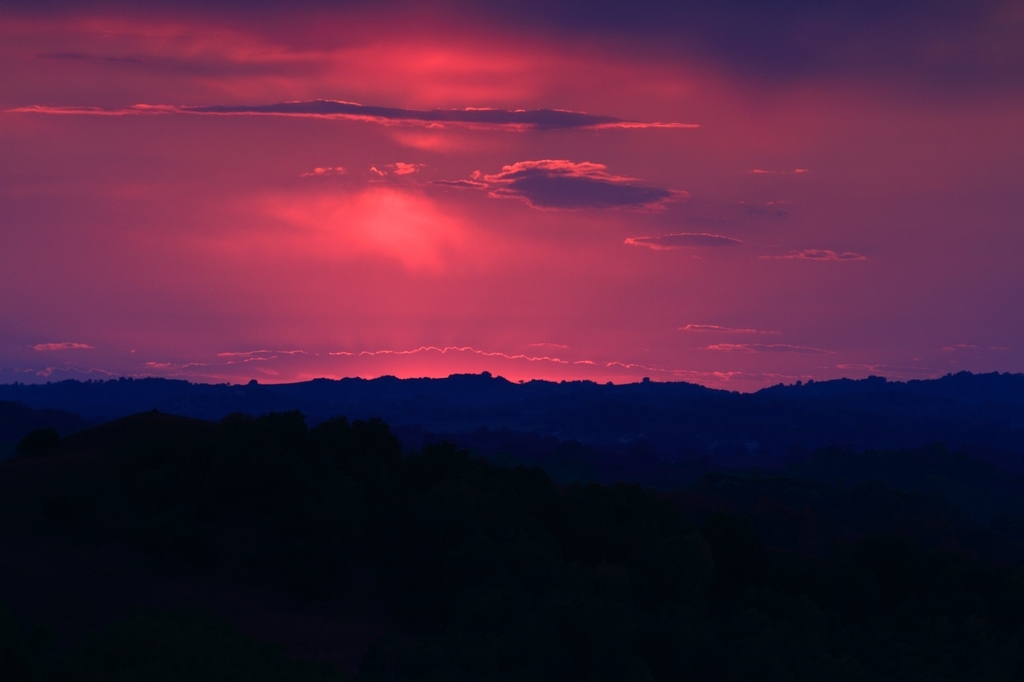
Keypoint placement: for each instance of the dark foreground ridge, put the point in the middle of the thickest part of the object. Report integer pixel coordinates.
(260, 549)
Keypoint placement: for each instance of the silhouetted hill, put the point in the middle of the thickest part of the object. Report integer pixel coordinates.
(17, 421)
(664, 421)
(336, 545)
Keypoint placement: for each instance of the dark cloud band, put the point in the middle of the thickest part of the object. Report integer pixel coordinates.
(819, 255)
(562, 184)
(535, 119)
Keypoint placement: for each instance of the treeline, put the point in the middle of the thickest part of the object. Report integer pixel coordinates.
(497, 573)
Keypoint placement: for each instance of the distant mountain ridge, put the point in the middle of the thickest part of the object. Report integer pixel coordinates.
(654, 420)
(17, 419)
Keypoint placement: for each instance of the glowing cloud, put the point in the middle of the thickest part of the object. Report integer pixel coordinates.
(67, 345)
(462, 349)
(320, 172)
(407, 168)
(398, 168)
(795, 171)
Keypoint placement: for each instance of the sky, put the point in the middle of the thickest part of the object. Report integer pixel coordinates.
(733, 193)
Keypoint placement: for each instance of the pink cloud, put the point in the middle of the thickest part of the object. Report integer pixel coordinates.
(67, 345)
(406, 168)
(464, 349)
(320, 172)
(398, 168)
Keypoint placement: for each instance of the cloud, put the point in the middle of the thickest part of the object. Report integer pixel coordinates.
(518, 119)
(461, 349)
(721, 330)
(472, 184)
(562, 184)
(50, 371)
(971, 346)
(398, 168)
(894, 371)
(765, 348)
(320, 172)
(406, 168)
(681, 240)
(818, 254)
(82, 57)
(67, 345)
(795, 171)
(253, 354)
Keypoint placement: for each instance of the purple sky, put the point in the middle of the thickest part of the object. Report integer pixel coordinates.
(707, 192)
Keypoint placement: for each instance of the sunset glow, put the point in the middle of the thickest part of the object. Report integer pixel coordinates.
(362, 190)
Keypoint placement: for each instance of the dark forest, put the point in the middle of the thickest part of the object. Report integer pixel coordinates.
(123, 540)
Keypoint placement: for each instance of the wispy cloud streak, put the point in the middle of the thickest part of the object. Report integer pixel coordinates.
(461, 349)
(254, 353)
(818, 254)
(681, 240)
(721, 330)
(766, 348)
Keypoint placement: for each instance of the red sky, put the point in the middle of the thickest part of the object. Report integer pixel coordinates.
(846, 198)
